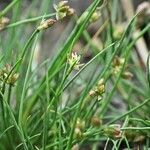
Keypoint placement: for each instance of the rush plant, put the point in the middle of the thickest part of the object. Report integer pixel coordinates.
(97, 94)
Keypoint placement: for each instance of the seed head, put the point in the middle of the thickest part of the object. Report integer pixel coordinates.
(96, 121)
(113, 131)
(74, 61)
(118, 61)
(80, 124)
(63, 10)
(98, 90)
(118, 31)
(5, 75)
(127, 75)
(46, 24)
(13, 78)
(77, 133)
(95, 16)
(3, 22)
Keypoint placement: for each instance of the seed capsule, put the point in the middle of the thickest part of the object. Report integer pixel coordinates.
(95, 121)
(46, 24)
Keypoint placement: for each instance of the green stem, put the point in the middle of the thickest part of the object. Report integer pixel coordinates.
(135, 128)
(26, 76)
(148, 69)
(130, 111)
(105, 104)
(30, 20)
(9, 94)
(87, 64)
(5, 11)
(15, 123)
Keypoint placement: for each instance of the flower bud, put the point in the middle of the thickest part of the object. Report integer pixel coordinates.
(118, 32)
(118, 61)
(77, 133)
(96, 122)
(3, 22)
(98, 90)
(80, 124)
(92, 93)
(95, 16)
(13, 78)
(46, 24)
(74, 61)
(127, 75)
(62, 3)
(63, 10)
(70, 12)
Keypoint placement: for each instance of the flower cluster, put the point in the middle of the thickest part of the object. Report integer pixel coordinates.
(118, 31)
(7, 77)
(96, 121)
(95, 16)
(113, 131)
(117, 66)
(80, 124)
(98, 90)
(63, 10)
(74, 61)
(3, 22)
(46, 24)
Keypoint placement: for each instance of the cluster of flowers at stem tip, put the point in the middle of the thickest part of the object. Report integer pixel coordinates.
(79, 127)
(96, 15)
(63, 10)
(113, 131)
(46, 24)
(7, 77)
(118, 31)
(3, 22)
(98, 90)
(96, 121)
(74, 61)
(117, 66)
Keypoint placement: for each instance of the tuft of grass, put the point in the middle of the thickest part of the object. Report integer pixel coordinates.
(97, 94)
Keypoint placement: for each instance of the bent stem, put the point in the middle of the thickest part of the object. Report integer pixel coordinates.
(6, 10)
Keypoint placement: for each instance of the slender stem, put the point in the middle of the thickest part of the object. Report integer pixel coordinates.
(14, 121)
(148, 69)
(6, 130)
(104, 106)
(5, 11)
(130, 111)
(9, 94)
(28, 43)
(87, 64)
(30, 20)
(135, 128)
(27, 75)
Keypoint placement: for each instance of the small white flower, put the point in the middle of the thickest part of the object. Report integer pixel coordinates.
(74, 61)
